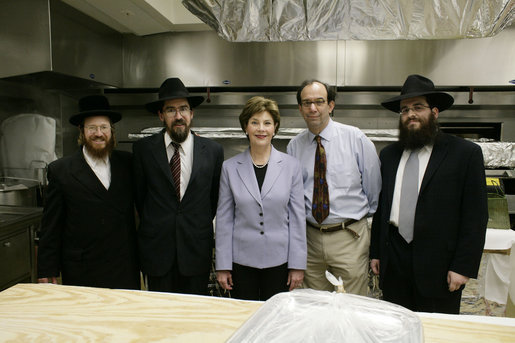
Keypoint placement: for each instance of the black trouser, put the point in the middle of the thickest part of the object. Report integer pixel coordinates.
(258, 284)
(175, 282)
(399, 284)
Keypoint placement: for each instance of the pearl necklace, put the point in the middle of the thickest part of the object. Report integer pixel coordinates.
(259, 166)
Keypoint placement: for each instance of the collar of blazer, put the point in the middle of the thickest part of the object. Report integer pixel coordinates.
(159, 153)
(82, 172)
(437, 156)
(247, 175)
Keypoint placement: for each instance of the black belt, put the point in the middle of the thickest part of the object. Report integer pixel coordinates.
(334, 227)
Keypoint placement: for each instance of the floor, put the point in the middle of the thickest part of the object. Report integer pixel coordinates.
(471, 301)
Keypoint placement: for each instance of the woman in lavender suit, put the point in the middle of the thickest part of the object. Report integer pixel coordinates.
(260, 220)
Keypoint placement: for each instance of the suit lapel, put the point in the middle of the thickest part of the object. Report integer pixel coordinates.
(437, 156)
(247, 175)
(159, 154)
(199, 149)
(83, 174)
(272, 172)
(118, 177)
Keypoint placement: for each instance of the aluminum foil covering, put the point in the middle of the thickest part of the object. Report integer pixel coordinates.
(308, 20)
(498, 154)
(284, 133)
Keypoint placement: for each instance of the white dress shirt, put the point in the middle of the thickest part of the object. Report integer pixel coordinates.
(100, 166)
(186, 152)
(423, 159)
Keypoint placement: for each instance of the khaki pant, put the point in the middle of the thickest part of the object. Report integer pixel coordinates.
(342, 254)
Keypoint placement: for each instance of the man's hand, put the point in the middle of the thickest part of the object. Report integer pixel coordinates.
(224, 278)
(374, 264)
(455, 280)
(295, 277)
(52, 279)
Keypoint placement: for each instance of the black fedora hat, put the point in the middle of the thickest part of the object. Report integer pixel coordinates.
(417, 85)
(170, 89)
(91, 106)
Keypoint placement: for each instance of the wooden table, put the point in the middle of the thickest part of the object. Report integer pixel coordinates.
(54, 313)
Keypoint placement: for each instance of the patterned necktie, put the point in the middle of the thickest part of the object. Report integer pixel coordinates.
(320, 205)
(175, 167)
(409, 196)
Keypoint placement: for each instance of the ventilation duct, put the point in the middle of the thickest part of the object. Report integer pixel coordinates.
(307, 20)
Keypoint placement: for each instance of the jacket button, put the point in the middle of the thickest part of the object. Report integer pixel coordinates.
(262, 233)
(261, 223)
(261, 214)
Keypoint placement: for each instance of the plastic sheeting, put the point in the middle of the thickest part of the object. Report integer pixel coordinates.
(27, 145)
(307, 315)
(306, 20)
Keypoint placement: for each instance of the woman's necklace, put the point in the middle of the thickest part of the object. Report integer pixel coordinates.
(259, 165)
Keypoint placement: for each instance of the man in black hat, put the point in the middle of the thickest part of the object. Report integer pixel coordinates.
(88, 233)
(429, 230)
(177, 175)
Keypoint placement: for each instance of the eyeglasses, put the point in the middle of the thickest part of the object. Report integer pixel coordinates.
(171, 111)
(416, 109)
(317, 102)
(94, 128)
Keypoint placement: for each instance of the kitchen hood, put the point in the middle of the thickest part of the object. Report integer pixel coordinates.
(308, 20)
(54, 46)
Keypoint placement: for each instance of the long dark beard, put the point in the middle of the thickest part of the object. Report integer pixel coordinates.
(178, 136)
(416, 139)
(100, 153)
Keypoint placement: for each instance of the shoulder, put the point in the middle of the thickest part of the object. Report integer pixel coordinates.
(146, 141)
(65, 161)
(300, 139)
(288, 159)
(344, 129)
(390, 150)
(211, 144)
(458, 143)
(236, 159)
(120, 155)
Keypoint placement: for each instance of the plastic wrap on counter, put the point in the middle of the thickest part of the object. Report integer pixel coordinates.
(498, 154)
(307, 315)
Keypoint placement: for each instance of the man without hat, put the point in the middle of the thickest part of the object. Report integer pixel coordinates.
(177, 175)
(429, 230)
(88, 233)
(342, 182)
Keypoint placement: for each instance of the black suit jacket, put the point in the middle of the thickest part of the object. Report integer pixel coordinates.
(170, 229)
(88, 233)
(450, 218)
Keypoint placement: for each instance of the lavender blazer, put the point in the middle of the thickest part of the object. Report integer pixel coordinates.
(261, 229)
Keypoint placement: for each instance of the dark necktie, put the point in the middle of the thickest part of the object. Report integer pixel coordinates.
(175, 167)
(409, 196)
(320, 205)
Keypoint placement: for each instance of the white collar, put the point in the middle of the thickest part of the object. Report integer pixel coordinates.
(184, 145)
